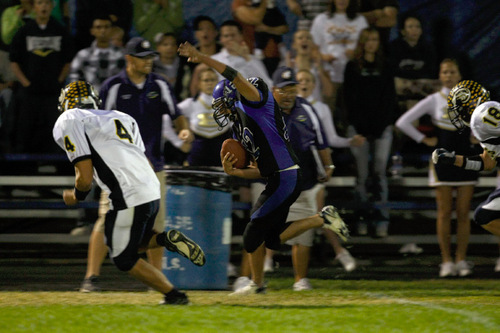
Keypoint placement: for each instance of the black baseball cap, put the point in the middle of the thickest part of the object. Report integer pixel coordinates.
(284, 76)
(139, 47)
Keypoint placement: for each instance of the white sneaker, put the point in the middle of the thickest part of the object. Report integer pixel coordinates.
(410, 248)
(448, 269)
(334, 222)
(249, 289)
(302, 284)
(497, 267)
(464, 268)
(241, 282)
(268, 265)
(231, 270)
(347, 260)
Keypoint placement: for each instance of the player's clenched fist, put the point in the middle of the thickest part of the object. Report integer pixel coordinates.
(443, 157)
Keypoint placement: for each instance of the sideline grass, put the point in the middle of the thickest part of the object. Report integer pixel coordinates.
(333, 306)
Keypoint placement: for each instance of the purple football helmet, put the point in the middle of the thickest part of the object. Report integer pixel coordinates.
(225, 95)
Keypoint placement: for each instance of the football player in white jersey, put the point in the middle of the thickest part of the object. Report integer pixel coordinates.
(106, 146)
(469, 105)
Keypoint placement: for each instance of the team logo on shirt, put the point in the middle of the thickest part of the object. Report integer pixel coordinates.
(302, 118)
(152, 94)
(247, 140)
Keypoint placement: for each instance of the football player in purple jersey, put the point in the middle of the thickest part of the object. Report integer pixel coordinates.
(258, 124)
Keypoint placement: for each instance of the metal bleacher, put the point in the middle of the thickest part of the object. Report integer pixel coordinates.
(410, 195)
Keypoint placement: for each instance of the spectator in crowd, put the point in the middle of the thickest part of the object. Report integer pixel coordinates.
(235, 52)
(145, 96)
(268, 31)
(306, 83)
(336, 33)
(61, 13)
(100, 143)
(249, 103)
(370, 100)
(205, 33)
(309, 143)
(117, 36)
(99, 61)
(119, 11)
(410, 55)
(248, 17)
(40, 57)
(447, 179)
(152, 17)
(205, 150)
(414, 63)
(307, 10)
(173, 68)
(381, 14)
(305, 55)
(14, 17)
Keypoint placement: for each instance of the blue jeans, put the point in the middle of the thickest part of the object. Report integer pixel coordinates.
(378, 152)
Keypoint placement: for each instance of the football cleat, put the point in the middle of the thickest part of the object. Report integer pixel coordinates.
(176, 241)
(175, 298)
(334, 222)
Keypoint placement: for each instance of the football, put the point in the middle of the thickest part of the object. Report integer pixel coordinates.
(236, 148)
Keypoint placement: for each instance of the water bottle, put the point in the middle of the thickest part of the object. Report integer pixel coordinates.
(397, 166)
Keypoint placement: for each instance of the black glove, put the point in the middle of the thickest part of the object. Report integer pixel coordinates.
(443, 157)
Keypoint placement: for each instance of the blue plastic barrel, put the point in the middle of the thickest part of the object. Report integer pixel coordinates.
(199, 205)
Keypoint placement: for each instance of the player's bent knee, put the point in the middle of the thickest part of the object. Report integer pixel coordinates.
(485, 216)
(125, 262)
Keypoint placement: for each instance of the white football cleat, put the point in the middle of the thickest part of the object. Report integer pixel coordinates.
(334, 222)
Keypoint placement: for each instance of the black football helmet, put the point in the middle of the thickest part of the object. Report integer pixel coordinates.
(79, 94)
(225, 95)
(463, 100)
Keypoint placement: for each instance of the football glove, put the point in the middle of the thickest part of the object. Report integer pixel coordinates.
(443, 157)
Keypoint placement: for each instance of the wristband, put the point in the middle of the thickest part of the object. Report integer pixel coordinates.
(229, 73)
(474, 163)
(81, 195)
(331, 166)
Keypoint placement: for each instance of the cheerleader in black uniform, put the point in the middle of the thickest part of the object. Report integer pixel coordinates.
(447, 179)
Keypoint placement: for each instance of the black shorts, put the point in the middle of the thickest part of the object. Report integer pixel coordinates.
(268, 219)
(129, 229)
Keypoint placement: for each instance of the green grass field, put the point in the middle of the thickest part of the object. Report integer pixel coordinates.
(333, 306)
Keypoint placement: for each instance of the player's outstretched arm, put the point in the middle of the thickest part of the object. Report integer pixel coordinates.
(245, 88)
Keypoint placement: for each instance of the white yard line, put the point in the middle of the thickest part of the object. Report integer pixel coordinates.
(470, 315)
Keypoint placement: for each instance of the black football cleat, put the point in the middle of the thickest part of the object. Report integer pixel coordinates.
(176, 241)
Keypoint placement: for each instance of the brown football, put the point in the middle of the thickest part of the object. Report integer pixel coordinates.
(235, 147)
